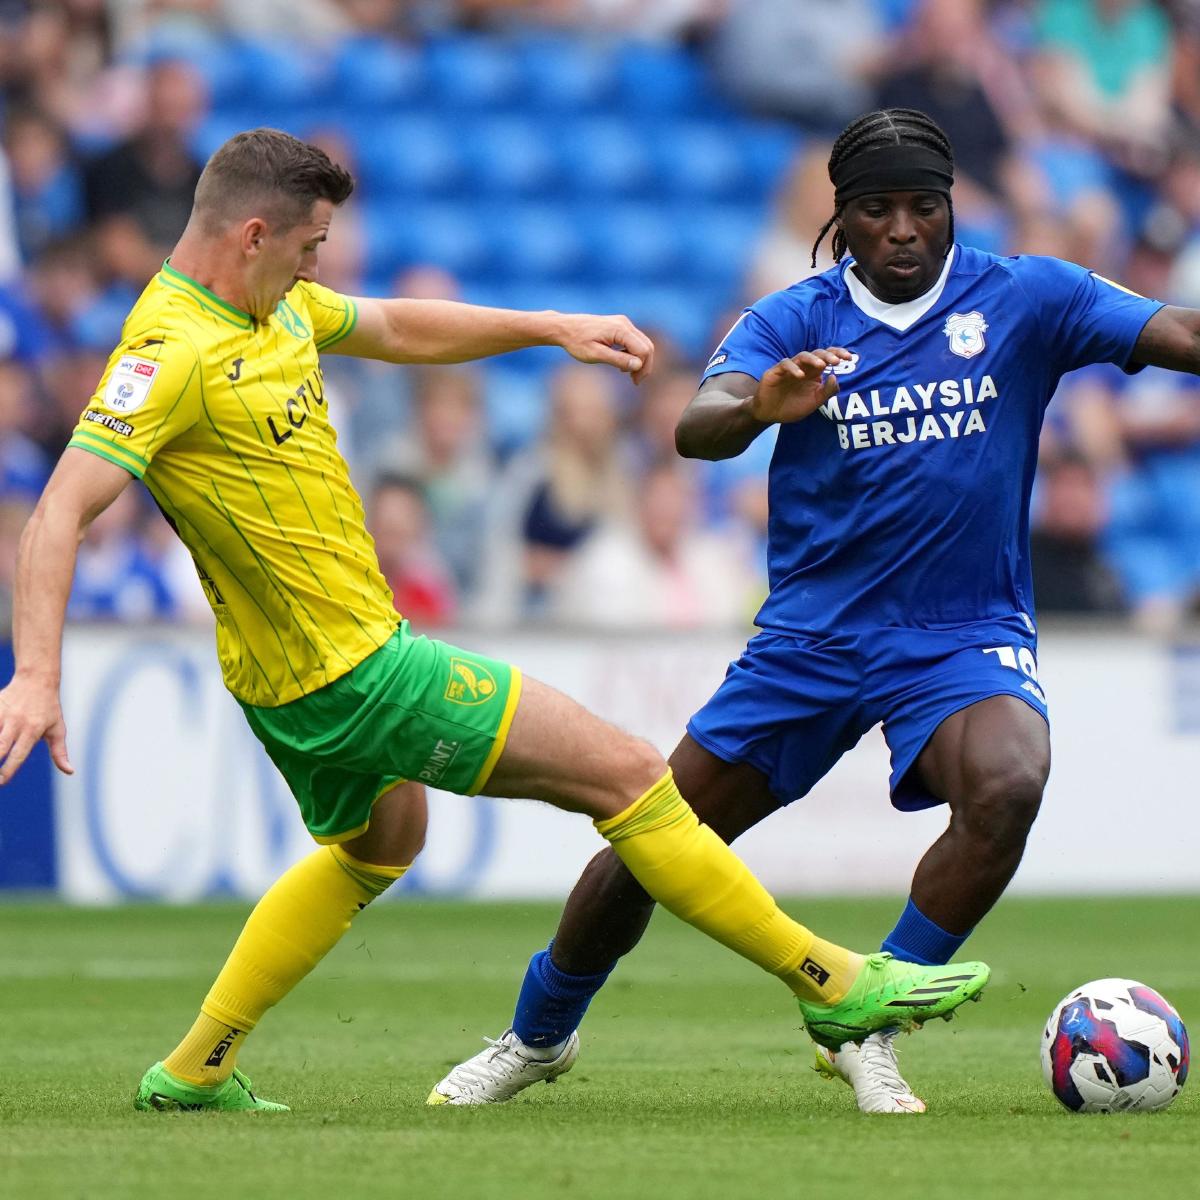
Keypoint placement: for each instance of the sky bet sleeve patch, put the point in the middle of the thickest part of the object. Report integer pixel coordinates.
(129, 384)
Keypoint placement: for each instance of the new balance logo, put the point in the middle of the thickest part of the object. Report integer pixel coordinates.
(815, 971)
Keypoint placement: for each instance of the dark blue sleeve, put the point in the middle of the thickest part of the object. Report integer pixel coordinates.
(755, 343)
(1082, 317)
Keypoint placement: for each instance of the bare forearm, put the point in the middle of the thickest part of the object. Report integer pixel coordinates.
(444, 331)
(717, 425)
(45, 568)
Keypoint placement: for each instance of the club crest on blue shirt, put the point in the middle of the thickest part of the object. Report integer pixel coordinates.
(965, 331)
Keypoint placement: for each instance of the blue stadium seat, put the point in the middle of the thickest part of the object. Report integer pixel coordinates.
(409, 156)
(564, 75)
(660, 79)
(515, 399)
(630, 243)
(683, 314)
(565, 295)
(533, 242)
(473, 73)
(218, 127)
(373, 74)
(509, 156)
(274, 74)
(701, 159)
(768, 150)
(718, 241)
(442, 234)
(605, 156)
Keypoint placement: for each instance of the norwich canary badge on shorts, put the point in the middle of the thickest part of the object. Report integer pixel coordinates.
(469, 683)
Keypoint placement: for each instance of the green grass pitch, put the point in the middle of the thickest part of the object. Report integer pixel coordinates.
(694, 1080)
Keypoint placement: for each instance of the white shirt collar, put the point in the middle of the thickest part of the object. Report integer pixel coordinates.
(898, 316)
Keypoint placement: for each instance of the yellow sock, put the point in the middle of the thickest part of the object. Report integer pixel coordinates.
(298, 921)
(691, 872)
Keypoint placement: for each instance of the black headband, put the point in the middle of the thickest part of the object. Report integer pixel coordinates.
(892, 169)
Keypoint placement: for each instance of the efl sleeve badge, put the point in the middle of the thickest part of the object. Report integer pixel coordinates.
(129, 384)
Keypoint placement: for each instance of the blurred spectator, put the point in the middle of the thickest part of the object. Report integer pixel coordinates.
(650, 436)
(64, 284)
(951, 67)
(1069, 572)
(1082, 419)
(445, 450)
(62, 63)
(139, 193)
(1105, 72)
(343, 255)
(803, 204)
(1175, 224)
(23, 333)
(371, 402)
(1050, 104)
(658, 570)
(1185, 62)
(47, 189)
(552, 495)
(116, 579)
(174, 564)
(24, 467)
(653, 19)
(14, 513)
(412, 564)
(69, 380)
(650, 440)
(810, 62)
(10, 256)
(1154, 535)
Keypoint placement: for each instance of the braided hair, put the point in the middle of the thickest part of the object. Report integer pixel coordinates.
(884, 127)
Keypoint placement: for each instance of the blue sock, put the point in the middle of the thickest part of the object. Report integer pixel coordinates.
(551, 1003)
(917, 939)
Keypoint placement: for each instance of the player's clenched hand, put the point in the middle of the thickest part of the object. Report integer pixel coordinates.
(796, 387)
(616, 341)
(30, 711)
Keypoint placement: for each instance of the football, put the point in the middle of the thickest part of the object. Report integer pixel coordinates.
(1114, 1045)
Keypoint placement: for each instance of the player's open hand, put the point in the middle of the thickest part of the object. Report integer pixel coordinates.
(615, 341)
(30, 711)
(795, 388)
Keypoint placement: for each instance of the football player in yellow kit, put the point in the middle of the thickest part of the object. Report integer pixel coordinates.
(214, 399)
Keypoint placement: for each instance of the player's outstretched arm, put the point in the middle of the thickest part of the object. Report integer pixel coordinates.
(731, 410)
(445, 331)
(83, 486)
(1171, 338)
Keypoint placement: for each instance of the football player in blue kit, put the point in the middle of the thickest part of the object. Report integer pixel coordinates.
(909, 386)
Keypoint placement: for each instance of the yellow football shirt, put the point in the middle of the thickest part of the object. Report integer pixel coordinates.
(225, 419)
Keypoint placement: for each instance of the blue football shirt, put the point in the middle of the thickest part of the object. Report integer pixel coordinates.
(904, 501)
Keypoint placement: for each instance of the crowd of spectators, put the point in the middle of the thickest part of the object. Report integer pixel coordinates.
(547, 491)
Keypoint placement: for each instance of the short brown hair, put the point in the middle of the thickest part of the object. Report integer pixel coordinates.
(269, 173)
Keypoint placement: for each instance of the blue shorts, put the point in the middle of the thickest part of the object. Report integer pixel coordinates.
(793, 704)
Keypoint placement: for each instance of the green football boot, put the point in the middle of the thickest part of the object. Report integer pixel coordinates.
(891, 994)
(162, 1091)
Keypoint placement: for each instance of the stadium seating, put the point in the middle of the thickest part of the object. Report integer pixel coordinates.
(606, 174)
(373, 75)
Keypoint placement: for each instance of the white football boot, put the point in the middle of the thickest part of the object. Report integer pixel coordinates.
(501, 1071)
(870, 1068)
